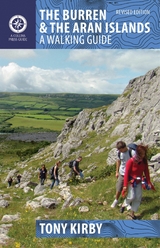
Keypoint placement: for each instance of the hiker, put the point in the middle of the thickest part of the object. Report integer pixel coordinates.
(135, 168)
(42, 174)
(54, 176)
(19, 178)
(75, 169)
(123, 155)
(10, 180)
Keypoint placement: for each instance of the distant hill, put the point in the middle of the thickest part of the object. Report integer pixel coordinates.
(27, 112)
(62, 100)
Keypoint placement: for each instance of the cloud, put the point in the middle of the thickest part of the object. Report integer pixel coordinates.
(17, 53)
(33, 79)
(99, 71)
(136, 60)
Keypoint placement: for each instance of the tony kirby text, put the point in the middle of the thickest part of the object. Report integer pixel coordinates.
(52, 228)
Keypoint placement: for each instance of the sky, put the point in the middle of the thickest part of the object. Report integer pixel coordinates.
(73, 71)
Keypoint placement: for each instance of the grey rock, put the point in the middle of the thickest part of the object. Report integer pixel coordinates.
(12, 173)
(48, 203)
(154, 216)
(83, 209)
(76, 202)
(4, 203)
(4, 228)
(67, 202)
(10, 218)
(32, 204)
(26, 189)
(155, 158)
(39, 189)
(88, 179)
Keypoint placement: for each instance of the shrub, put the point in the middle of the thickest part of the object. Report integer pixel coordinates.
(138, 137)
(105, 172)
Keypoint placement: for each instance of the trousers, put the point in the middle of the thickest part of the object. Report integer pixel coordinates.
(133, 197)
(54, 181)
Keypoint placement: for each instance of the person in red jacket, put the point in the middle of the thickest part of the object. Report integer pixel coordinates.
(136, 168)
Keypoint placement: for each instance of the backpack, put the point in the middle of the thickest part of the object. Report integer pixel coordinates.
(70, 164)
(51, 170)
(131, 146)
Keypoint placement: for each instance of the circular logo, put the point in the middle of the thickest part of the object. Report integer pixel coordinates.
(17, 24)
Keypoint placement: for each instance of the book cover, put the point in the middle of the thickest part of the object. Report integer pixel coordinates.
(49, 46)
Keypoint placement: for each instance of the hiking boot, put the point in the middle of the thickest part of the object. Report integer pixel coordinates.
(122, 210)
(133, 217)
(114, 204)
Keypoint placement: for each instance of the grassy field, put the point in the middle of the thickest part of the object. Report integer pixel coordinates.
(22, 112)
(36, 123)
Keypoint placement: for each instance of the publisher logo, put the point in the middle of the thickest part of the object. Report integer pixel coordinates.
(17, 24)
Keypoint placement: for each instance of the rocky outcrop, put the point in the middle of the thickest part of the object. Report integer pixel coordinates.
(139, 107)
(134, 116)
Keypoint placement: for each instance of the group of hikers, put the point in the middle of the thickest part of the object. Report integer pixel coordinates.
(10, 180)
(54, 175)
(131, 172)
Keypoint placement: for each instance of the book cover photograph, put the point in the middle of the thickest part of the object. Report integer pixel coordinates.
(79, 123)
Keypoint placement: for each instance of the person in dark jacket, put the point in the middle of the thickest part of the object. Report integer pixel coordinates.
(43, 174)
(76, 169)
(19, 178)
(10, 180)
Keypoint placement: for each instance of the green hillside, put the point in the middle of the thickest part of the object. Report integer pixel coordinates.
(24, 112)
